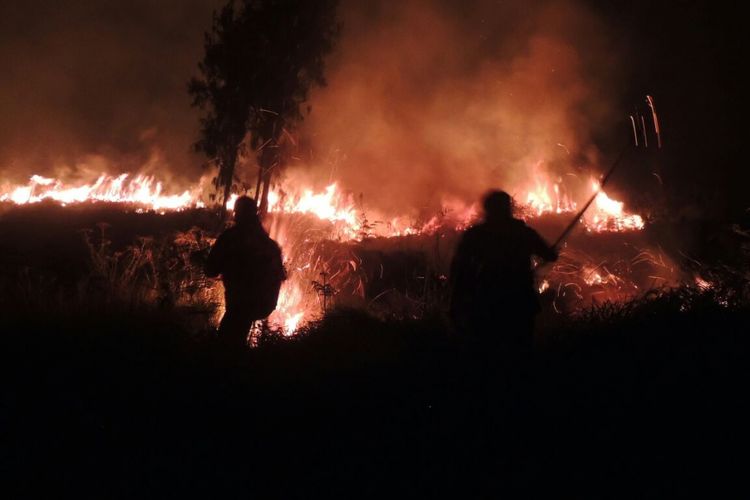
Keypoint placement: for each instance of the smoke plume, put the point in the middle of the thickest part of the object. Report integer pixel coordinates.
(426, 100)
(433, 100)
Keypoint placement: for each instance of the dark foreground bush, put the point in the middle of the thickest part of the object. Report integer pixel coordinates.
(128, 403)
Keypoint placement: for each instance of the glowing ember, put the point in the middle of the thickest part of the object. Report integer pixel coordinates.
(703, 284)
(595, 276)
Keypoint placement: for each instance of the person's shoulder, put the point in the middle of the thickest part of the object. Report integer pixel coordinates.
(228, 233)
(519, 229)
(521, 226)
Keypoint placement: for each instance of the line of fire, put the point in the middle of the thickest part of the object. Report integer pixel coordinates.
(391, 263)
(331, 233)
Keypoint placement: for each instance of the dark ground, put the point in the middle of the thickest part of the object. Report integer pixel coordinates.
(107, 397)
(126, 404)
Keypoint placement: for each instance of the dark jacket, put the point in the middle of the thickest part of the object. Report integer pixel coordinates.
(491, 272)
(251, 267)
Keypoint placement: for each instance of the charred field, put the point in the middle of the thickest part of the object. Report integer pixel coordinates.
(117, 388)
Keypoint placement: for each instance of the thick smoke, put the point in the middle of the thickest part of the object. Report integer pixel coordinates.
(93, 85)
(428, 100)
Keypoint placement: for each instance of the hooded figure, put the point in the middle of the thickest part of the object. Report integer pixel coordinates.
(493, 293)
(251, 267)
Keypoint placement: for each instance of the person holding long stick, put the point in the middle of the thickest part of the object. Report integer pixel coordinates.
(493, 295)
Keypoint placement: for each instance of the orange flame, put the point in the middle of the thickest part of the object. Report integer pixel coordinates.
(540, 201)
(298, 303)
(140, 190)
(610, 215)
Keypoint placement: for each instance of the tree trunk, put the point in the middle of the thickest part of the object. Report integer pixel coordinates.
(266, 188)
(226, 176)
(269, 158)
(258, 184)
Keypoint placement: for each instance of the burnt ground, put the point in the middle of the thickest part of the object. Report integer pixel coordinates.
(124, 399)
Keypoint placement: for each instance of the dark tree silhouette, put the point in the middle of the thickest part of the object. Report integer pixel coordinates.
(261, 59)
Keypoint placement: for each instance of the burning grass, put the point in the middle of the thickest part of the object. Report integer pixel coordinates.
(127, 240)
(155, 261)
(143, 190)
(338, 253)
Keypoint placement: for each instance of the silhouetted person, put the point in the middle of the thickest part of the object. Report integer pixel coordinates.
(494, 302)
(493, 294)
(251, 267)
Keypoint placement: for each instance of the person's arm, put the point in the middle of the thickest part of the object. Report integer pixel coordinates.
(216, 258)
(540, 247)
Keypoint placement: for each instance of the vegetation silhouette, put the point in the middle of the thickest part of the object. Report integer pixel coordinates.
(261, 59)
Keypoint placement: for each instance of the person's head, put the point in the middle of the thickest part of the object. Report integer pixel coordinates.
(498, 205)
(245, 210)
